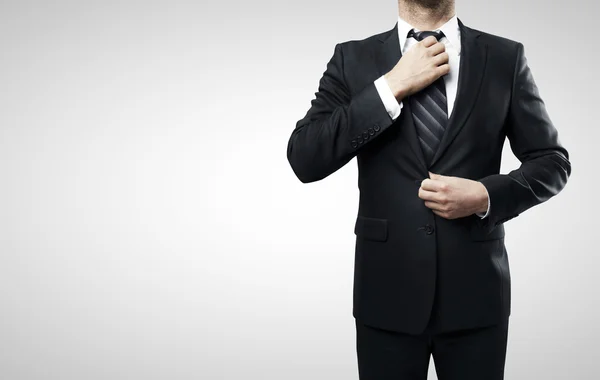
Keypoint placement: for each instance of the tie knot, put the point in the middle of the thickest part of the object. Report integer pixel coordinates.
(425, 33)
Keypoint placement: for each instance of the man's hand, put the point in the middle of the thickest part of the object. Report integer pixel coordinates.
(418, 67)
(453, 197)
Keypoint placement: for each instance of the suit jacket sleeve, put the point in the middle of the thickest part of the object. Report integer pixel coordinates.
(337, 125)
(545, 165)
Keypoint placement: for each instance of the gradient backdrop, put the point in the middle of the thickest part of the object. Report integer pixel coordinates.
(150, 224)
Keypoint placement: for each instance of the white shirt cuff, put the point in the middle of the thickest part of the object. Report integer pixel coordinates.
(482, 215)
(390, 102)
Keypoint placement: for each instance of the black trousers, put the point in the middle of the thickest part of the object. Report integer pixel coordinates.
(470, 354)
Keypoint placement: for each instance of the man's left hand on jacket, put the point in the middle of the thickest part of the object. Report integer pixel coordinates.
(453, 197)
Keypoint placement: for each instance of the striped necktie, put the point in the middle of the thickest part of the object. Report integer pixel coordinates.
(429, 107)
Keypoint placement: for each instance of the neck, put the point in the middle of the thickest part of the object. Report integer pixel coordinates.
(426, 14)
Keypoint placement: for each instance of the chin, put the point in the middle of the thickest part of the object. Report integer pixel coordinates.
(430, 4)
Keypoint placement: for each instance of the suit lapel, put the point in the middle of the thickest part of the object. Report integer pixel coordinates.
(472, 65)
(473, 56)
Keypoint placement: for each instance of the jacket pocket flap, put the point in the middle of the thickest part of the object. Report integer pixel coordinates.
(371, 228)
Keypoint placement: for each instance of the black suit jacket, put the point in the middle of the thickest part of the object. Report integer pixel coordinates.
(405, 254)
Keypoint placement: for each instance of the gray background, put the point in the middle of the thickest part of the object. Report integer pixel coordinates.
(151, 227)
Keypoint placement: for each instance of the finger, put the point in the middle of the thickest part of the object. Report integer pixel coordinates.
(443, 69)
(435, 206)
(442, 214)
(441, 58)
(434, 175)
(428, 195)
(428, 41)
(432, 184)
(436, 48)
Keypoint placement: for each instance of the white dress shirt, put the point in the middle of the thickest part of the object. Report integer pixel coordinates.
(451, 40)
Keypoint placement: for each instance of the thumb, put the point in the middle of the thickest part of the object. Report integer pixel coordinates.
(435, 176)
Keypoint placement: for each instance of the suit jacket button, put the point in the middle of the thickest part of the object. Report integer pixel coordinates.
(359, 139)
(376, 127)
(429, 229)
(354, 144)
(371, 131)
(365, 135)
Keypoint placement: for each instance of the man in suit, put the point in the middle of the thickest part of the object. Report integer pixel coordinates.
(425, 108)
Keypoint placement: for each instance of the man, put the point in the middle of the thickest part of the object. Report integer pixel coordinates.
(431, 268)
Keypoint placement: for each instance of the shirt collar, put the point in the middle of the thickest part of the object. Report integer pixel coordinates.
(450, 28)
